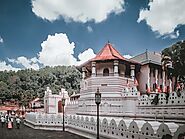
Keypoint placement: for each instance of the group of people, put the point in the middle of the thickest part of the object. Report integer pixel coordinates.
(8, 121)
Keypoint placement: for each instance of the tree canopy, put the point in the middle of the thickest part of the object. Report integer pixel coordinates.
(25, 85)
(177, 54)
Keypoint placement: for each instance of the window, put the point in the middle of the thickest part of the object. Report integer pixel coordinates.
(106, 72)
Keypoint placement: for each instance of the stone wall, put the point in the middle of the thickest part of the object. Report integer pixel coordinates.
(109, 127)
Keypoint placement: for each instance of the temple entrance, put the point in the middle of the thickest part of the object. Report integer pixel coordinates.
(60, 107)
(106, 72)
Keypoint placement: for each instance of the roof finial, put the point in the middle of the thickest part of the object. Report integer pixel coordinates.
(147, 54)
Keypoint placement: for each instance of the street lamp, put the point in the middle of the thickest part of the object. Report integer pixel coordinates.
(98, 101)
(63, 104)
(34, 106)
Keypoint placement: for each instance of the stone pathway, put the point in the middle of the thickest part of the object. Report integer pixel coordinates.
(28, 133)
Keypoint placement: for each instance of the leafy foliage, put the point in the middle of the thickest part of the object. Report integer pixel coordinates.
(25, 85)
(177, 54)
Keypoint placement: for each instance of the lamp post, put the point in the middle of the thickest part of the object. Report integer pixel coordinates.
(98, 101)
(63, 104)
(34, 106)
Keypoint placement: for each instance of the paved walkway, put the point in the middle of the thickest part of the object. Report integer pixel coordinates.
(28, 133)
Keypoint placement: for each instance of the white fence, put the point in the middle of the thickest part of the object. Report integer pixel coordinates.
(109, 128)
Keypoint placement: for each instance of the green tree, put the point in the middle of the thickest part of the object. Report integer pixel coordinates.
(177, 54)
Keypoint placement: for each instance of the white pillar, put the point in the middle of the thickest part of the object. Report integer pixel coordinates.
(170, 85)
(116, 63)
(93, 69)
(156, 79)
(83, 72)
(132, 72)
(148, 80)
(163, 74)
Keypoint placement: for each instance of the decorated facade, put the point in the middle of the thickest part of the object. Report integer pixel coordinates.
(53, 102)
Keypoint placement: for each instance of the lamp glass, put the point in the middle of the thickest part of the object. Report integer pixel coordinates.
(97, 98)
(63, 101)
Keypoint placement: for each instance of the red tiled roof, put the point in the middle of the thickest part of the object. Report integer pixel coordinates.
(108, 53)
(5, 108)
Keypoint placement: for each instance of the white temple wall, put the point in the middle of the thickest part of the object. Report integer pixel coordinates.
(130, 106)
(143, 78)
(109, 127)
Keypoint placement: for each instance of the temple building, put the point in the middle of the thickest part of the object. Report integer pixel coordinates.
(139, 87)
(111, 73)
(152, 76)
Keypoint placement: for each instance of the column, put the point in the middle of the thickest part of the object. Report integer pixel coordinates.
(148, 80)
(116, 63)
(156, 79)
(132, 72)
(93, 69)
(170, 85)
(163, 83)
(83, 72)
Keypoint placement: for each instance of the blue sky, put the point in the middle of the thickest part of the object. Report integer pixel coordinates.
(66, 32)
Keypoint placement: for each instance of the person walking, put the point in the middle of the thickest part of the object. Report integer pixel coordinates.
(12, 120)
(2, 121)
(9, 123)
(18, 121)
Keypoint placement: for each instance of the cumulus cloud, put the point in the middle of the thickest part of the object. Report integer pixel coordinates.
(1, 40)
(164, 16)
(77, 10)
(27, 63)
(4, 66)
(127, 56)
(58, 50)
(89, 29)
(85, 56)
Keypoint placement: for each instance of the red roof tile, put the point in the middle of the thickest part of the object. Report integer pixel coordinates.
(108, 53)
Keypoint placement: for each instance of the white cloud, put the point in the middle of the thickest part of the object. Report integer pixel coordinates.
(4, 66)
(1, 40)
(89, 29)
(164, 16)
(127, 56)
(174, 35)
(85, 56)
(57, 50)
(27, 63)
(77, 10)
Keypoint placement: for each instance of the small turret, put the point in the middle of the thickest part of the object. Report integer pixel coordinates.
(48, 91)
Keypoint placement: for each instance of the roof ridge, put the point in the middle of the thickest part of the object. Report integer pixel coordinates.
(117, 52)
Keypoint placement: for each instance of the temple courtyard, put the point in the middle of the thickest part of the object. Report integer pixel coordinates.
(28, 133)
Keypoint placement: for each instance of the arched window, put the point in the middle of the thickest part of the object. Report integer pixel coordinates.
(106, 72)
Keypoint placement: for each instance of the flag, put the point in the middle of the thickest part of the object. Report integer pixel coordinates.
(178, 86)
(128, 83)
(135, 82)
(147, 88)
(156, 87)
(159, 89)
(165, 89)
